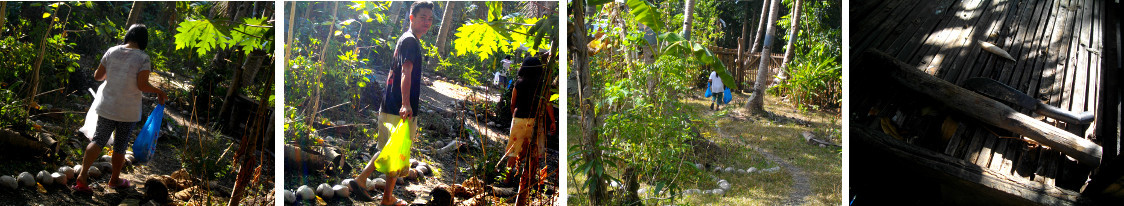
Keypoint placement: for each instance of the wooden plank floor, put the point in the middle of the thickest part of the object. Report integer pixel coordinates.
(1056, 44)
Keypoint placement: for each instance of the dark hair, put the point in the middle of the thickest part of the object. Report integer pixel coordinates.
(530, 71)
(420, 5)
(508, 57)
(137, 34)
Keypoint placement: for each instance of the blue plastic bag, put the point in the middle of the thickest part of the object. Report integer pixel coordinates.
(726, 96)
(707, 90)
(145, 145)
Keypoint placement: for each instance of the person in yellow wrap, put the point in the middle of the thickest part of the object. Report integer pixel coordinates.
(403, 86)
(523, 100)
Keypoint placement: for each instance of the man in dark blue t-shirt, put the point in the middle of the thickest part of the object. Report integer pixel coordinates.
(404, 79)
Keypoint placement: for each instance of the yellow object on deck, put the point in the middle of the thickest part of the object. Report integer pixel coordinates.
(395, 156)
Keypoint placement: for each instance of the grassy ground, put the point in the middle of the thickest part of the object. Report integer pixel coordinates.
(745, 138)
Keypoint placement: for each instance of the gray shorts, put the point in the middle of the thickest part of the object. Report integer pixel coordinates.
(123, 137)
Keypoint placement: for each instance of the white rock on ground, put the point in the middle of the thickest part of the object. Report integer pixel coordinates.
(59, 178)
(290, 197)
(347, 183)
(26, 179)
(105, 158)
(719, 192)
(9, 182)
(325, 191)
(94, 172)
(44, 178)
(724, 185)
(751, 170)
(699, 166)
(341, 191)
(306, 193)
(730, 170)
(377, 183)
(68, 171)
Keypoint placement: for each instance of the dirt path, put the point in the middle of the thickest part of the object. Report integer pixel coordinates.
(800, 183)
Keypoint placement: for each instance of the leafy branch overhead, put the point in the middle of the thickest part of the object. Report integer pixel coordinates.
(504, 34)
(205, 35)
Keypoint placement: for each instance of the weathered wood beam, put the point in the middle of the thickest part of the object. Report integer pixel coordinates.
(1109, 105)
(982, 108)
(956, 172)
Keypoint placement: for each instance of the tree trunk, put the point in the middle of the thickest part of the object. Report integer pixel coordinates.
(289, 33)
(788, 49)
(395, 8)
(3, 16)
(739, 68)
(236, 83)
(320, 73)
(31, 103)
(248, 155)
(581, 61)
(443, 33)
(760, 27)
(135, 13)
(756, 104)
(688, 14)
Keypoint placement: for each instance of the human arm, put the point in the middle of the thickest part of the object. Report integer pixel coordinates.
(144, 86)
(406, 110)
(512, 104)
(99, 74)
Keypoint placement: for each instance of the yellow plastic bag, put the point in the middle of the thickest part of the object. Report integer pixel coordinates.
(395, 156)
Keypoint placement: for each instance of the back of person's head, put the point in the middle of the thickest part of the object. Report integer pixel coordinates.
(138, 34)
(418, 5)
(508, 57)
(531, 70)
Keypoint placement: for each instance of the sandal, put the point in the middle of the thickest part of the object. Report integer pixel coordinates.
(359, 192)
(124, 184)
(400, 202)
(82, 188)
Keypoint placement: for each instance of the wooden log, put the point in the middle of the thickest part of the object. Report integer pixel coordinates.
(986, 187)
(14, 144)
(986, 110)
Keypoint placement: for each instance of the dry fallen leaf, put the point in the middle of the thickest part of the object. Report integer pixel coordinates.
(948, 128)
(889, 128)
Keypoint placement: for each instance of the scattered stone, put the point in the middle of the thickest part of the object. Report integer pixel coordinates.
(719, 192)
(8, 182)
(44, 178)
(156, 190)
(422, 169)
(105, 158)
(730, 170)
(773, 169)
(412, 174)
(94, 172)
(26, 179)
(104, 166)
(290, 197)
(341, 191)
(699, 166)
(347, 182)
(305, 192)
(707, 192)
(68, 171)
(724, 185)
(413, 163)
(717, 169)
(325, 191)
(77, 169)
(59, 178)
(751, 170)
(377, 183)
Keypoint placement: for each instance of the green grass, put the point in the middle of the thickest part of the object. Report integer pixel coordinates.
(821, 165)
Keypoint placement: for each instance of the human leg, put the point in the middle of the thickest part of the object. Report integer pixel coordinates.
(124, 131)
